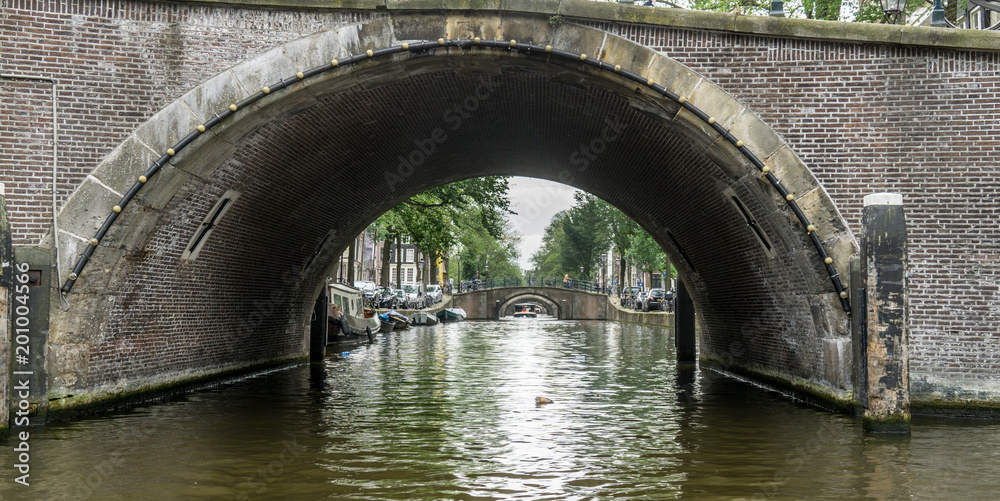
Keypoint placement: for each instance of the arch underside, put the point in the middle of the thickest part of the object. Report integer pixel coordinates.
(316, 162)
(551, 305)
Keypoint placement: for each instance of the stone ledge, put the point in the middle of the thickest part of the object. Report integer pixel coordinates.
(586, 10)
(72, 407)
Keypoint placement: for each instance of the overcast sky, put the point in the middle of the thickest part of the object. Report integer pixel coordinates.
(535, 201)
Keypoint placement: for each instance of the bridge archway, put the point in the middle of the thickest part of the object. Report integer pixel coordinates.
(237, 227)
(507, 307)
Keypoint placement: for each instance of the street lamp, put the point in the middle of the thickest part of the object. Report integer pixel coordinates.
(893, 10)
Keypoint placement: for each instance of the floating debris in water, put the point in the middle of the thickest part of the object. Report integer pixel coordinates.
(345, 353)
(542, 400)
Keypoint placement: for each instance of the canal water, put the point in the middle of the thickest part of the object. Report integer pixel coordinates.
(449, 412)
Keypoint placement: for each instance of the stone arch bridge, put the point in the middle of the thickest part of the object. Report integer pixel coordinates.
(207, 162)
(562, 303)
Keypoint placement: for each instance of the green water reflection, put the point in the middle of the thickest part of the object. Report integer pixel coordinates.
(448, 412)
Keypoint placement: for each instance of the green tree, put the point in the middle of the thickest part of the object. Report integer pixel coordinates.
(647, 254)
(576, 239)
(622, 230)
(484, 254)
(586, 232)
(433, 220)
(862, 11)
(547, 260)
(754, 7)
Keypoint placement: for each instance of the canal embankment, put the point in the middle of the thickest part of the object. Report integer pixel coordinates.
(622, 314)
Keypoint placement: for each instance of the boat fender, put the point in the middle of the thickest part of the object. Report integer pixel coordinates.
(345, 328)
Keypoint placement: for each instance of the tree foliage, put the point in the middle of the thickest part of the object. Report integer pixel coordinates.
(586, 233)
(575, 240)
(580, 236)
(482, 254)
(435, 220)
(861, 11)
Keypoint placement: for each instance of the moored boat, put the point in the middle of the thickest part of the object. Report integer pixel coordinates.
(451, 315)
(424, 318)
(387, 324)
(402, 321)
(347, 315)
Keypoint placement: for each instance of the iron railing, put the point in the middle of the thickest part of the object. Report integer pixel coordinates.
(495, 282)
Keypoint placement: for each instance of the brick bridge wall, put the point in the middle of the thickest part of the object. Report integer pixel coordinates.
(865, 112)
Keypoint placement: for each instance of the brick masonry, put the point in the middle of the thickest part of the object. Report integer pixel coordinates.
(864, 117)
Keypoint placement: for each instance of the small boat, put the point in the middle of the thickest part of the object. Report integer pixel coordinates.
(424, 318)
(388, 324)
(401, 321)
(347, 315)
(451, 315)
(525, 311)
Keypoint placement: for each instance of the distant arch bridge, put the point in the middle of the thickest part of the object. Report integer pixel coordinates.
(561, 302)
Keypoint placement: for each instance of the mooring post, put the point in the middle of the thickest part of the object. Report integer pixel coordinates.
(885, 329)
(684, 324)
(6, 281)
(496, 310)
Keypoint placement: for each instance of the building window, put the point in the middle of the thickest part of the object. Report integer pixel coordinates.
(409, 256)
(409, 275)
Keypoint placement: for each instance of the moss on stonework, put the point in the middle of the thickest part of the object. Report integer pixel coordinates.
(807, 391)
(73, 406)
(896, 423)
(956, 409)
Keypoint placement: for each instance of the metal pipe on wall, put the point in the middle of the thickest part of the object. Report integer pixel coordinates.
(55, 166)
